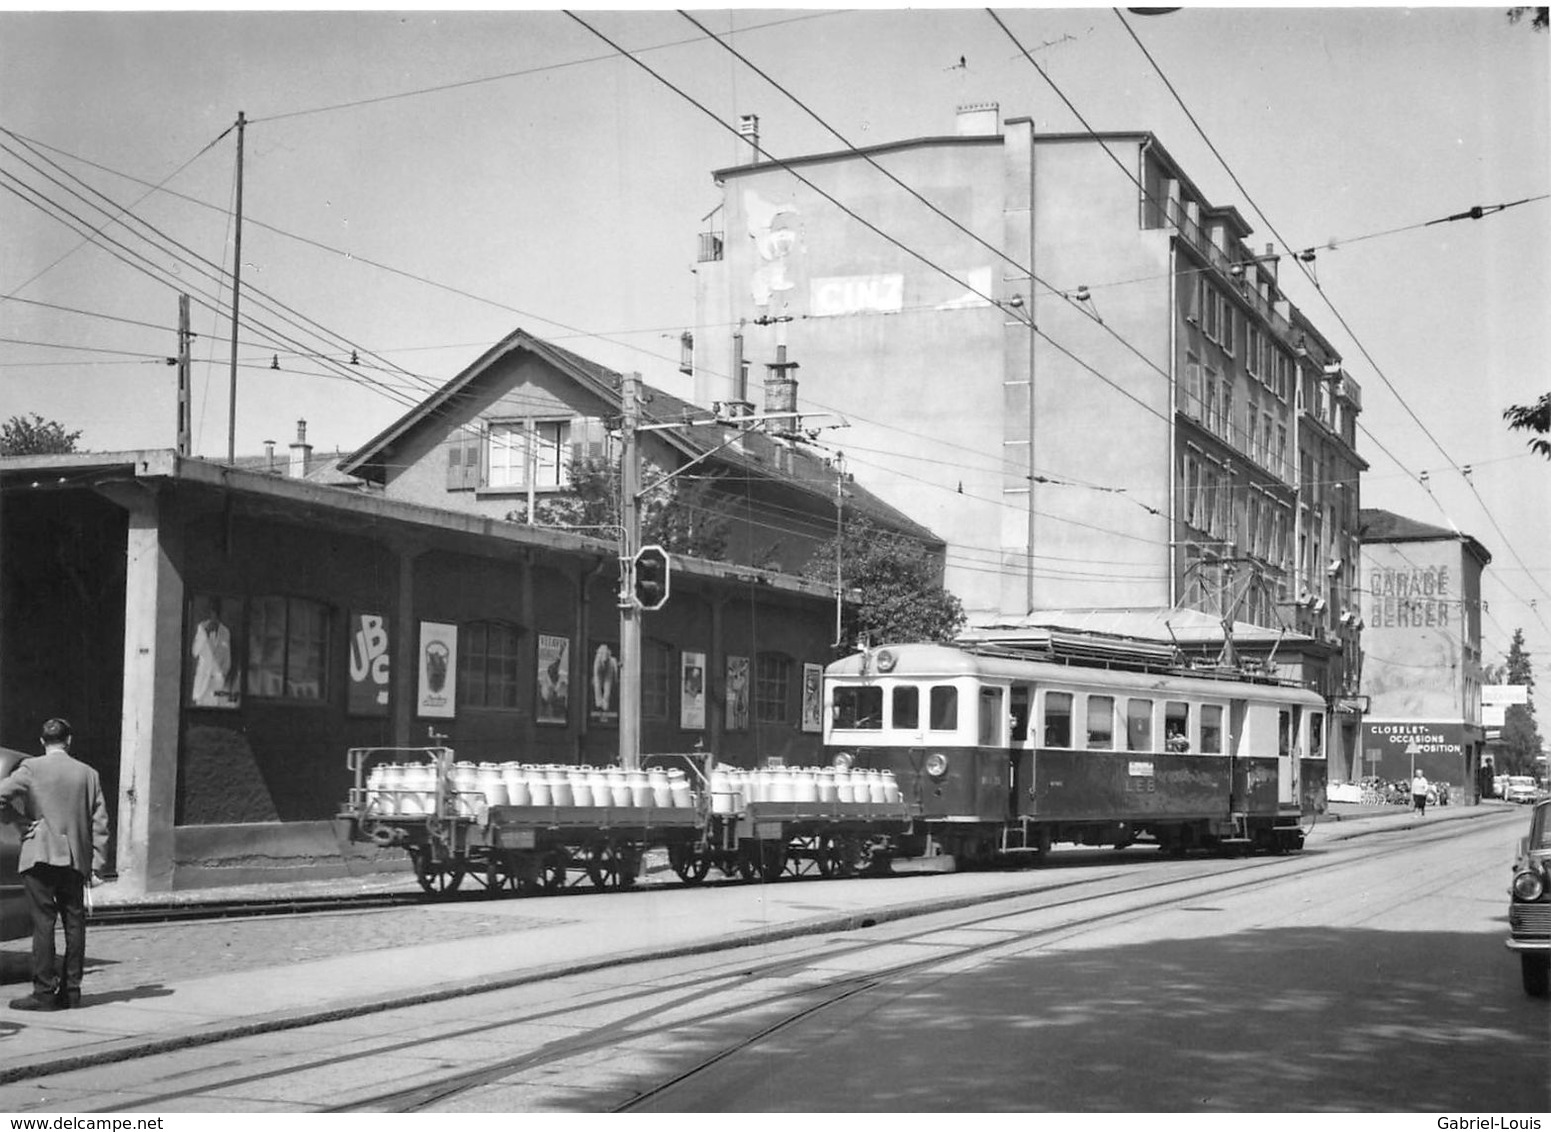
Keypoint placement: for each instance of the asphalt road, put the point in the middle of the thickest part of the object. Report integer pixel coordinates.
(1360, 976)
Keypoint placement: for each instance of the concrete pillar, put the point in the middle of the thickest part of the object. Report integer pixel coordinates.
(153, 684)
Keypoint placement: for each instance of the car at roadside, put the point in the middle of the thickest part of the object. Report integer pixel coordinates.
(1522, 789)
(15, 919)
(1529, 907)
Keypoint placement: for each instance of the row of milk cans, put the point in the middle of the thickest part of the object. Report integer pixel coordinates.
(732, 788)
(409, 789)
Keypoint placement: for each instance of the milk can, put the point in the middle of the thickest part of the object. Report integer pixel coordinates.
(678, 789)
(640, 790)
(581, 787)
(540, 787)
(559, 779)
(516, 779)
(662, 794)
(619, 787)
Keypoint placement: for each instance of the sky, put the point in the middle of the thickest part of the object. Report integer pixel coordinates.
(416, 185)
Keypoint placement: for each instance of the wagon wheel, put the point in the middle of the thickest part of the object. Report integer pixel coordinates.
(847, 855)
(503, 873)
(609, 866)
(437, 877)
(687, 860)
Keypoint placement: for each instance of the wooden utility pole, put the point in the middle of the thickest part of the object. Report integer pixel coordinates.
(231, 406)
(183, 376)
(629, 544)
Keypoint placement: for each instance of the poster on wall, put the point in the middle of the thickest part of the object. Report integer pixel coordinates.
(215, 625)
(368, 683)
(692, 692)
(554, 675)
(813, 697)
(737, 693)
(603, 684)
(438, 693)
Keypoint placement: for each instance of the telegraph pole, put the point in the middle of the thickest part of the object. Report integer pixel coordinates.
(629, 543)
(183, 375)
(231, 405)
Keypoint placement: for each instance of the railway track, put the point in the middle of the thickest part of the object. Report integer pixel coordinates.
(761, 998)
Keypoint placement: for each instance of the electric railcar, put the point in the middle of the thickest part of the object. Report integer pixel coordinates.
(999, 751)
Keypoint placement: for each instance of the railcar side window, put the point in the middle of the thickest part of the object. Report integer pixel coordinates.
(1176, 726)
(1316, 735)
(1284, 732)
(991, 712)
(1101, 723)
(858, 709)
(1021, 695)
(1058, 719)
(1211, 729)
(1138, 725)
(945, 708)
(907, 708)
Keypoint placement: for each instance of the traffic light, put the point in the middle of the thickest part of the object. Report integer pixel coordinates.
(651, 577)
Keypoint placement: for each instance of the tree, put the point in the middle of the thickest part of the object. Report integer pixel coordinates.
(1540, 18)
(682, 516)
(1533, 418)
(1520, 738)
(37, 437)
(897, 586)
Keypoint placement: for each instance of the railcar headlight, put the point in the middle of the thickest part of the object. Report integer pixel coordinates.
(937, 764)
(886, 660)
(1529, 885)
(842, 760)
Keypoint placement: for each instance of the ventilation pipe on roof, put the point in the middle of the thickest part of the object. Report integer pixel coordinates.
(748, 129)
(301, 451)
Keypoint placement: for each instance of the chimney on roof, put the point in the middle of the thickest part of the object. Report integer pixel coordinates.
(269, 456)
(300, 451)
(748, 130)
(976, 119)
(781, 394)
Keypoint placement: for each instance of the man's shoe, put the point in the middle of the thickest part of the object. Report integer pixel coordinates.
(35, 1002)
(68, 1000)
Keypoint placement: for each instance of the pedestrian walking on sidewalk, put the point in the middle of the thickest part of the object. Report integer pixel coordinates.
(1419, 793)
(64, 845)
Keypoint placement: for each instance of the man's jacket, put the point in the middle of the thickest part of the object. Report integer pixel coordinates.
(59, 800)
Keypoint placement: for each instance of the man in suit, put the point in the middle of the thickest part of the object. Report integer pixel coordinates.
(64, 847)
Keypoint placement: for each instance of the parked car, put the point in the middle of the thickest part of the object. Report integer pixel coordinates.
(1529, 910)
(1521, 788)
(15, 919)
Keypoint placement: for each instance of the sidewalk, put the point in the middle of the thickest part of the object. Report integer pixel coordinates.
(170, 987)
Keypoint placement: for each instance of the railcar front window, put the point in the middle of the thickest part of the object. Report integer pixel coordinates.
(1138, 725)
(907, 708)
(1211, 729)
(945, 708)
(1101, 723)
(858, 709)
(1058, 719)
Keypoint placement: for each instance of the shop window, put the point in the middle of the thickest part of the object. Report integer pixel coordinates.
(287, 648)
(487, 664)
(773, 688)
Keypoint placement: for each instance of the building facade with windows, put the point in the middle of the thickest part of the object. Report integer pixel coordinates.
(1056, 353)
(1422, 670)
